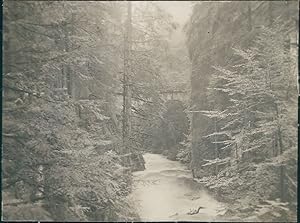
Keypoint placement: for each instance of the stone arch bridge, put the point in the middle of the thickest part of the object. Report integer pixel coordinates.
(174, 94)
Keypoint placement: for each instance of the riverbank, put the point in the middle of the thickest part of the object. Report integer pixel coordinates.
(166, 190)
(250, 194)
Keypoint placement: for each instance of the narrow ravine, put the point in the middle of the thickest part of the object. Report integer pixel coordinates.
(166, 191)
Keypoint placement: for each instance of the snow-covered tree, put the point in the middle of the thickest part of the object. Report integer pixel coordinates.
(260, 121)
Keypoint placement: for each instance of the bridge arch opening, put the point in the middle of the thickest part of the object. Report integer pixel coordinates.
(174, 128)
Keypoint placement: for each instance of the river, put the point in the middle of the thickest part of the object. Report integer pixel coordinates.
(166, 191)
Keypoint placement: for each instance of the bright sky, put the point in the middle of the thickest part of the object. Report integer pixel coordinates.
(181, 11)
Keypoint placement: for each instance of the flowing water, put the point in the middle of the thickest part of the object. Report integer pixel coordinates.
(166, 191)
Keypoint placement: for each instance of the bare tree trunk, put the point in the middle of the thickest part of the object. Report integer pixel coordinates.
(282, 175)
(287, 10)
(126, 79)
(270, 12)
(7, 48)
(67, 46)
(216, 148)
(280, 147)
(66, 69)
(249, 16)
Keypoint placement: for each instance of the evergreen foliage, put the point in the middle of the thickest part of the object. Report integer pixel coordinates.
(244, 101)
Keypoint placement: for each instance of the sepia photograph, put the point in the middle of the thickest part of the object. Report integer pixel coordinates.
(136, 111)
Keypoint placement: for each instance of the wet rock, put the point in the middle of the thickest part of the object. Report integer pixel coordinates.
(176, 214)
(194, 211)
(229, 212)
(195, 198)
(246, 210)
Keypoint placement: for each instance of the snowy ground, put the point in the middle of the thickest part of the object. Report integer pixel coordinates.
(166, 191)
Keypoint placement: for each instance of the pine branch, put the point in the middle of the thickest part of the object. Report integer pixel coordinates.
(35, 94)
(25, 202)
(291, 181)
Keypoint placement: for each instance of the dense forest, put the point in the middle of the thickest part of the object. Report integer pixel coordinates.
(63, 151)
(244, 102)
(90, 87)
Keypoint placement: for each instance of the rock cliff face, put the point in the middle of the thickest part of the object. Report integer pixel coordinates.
(214, 29)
